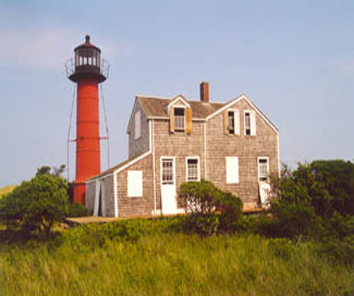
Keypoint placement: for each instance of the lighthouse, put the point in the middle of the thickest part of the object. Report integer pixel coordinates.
(87, 69)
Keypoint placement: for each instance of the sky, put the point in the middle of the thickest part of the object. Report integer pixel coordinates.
(293, 59)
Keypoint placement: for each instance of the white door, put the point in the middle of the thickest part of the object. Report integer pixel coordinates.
(168, 186)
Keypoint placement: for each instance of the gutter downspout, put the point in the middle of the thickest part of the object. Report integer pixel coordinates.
(115, 194)
(205, 152)
(152, 132)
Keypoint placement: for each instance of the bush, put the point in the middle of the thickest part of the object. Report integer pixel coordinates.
(310, 196)
(35, 205)
(209, 209)
(76, 210)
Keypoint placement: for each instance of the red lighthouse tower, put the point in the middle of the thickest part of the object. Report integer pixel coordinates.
(87, 70)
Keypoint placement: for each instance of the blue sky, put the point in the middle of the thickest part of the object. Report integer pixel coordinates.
(293, 59)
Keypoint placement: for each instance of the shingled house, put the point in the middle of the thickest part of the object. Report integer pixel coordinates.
(172, 141)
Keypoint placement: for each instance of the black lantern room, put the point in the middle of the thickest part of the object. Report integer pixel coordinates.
(88, 63)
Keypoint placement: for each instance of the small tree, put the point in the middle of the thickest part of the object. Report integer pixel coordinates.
(36, 204)
(209, 209)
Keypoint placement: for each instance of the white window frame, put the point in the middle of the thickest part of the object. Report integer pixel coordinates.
(258, 168)
(135, 189)
(236, 124)
(174, 115)
(198, 168)
(233, 181)
(137, 125)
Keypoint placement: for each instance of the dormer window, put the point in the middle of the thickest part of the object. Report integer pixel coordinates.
(179, 114)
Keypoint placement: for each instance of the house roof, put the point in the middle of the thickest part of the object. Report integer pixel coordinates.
(156, 107)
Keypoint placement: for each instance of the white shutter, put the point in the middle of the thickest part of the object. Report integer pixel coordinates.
(232, 170)
(137, 125)
(253, 123)
(237, 122)
(135, 183)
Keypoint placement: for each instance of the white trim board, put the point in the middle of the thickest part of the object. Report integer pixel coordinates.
(176, 99)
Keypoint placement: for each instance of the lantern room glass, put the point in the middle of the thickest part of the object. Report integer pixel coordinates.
(87, 56)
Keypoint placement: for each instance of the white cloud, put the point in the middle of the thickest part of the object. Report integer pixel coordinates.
(47, 48)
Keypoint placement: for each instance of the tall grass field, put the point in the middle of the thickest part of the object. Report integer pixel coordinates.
(145, 257)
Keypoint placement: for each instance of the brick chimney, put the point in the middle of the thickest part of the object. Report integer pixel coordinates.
(204, 92)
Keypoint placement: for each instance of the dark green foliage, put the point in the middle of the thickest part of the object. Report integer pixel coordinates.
(76, 210)
(35, 205)
(313, 192)
(209, 209)
(89, 236)
(54, 171)
(316, 202)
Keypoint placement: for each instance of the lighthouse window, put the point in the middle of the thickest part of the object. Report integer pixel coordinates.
(94, 61)
(90, 61)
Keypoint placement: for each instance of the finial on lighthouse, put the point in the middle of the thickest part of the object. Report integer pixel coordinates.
(87, 37)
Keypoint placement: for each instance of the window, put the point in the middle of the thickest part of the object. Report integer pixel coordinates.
(232, 170)
(263, 169)
(137, 125)
(167, 172)
(233, 126)
(231, 122)
(193, 169)
(179, 119)
(135, 183)
(250, 123)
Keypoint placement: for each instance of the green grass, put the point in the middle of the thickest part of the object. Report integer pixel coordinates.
(148, 260)
(6, 190)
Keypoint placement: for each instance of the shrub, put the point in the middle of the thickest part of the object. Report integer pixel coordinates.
(311, 195)
(76, 210)
(209, 209)
(35, 205)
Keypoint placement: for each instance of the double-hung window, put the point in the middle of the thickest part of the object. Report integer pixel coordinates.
(263, 169)
(193, 169)
(179, 114)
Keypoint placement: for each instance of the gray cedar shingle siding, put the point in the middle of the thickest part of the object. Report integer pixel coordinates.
(108, 205)
(90, 196)
(181, 145)
(136, 206)
(140, 145)
(246, 148)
